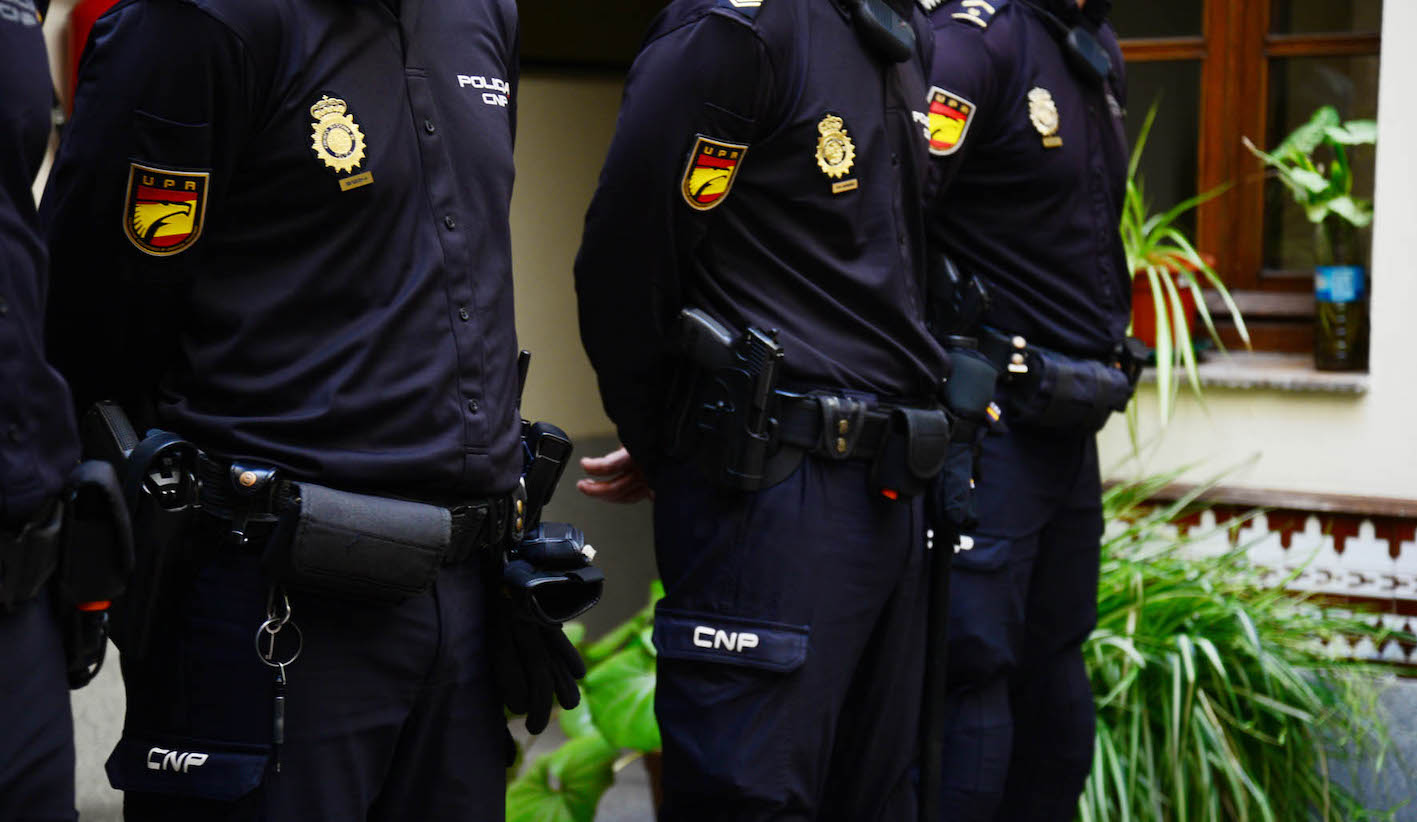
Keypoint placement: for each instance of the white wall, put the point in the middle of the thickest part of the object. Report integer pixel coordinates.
(1337, 444)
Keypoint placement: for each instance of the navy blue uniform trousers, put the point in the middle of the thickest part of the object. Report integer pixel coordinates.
(1020, 716)
(391, 710)
(790, 641)
(36, 726)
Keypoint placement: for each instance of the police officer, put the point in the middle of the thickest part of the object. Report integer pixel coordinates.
(280, 231)
(1029, 160)
(762, 195)
(38, 447)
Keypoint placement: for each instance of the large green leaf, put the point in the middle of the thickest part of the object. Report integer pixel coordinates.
(620, 692)
(1355, 133)
(577, 721)
(565, 785)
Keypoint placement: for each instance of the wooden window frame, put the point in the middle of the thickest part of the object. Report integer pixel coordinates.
(1234, 51)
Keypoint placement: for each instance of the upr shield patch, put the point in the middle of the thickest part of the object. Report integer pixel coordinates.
(164, 209)
(709, 175)
(950, 116)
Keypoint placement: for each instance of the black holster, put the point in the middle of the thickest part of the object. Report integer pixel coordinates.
(29, 558)
(356, 546)
(95, 561)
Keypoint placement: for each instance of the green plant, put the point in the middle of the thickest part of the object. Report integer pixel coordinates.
(1159, 250)
(1217, 699)
(613, 726)
(1312, 162)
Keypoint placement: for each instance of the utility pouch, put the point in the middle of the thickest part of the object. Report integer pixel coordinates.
(355, 546)
(915, 448)
(95, 561)
(29, 558)
(1063, 393)
(549, 574)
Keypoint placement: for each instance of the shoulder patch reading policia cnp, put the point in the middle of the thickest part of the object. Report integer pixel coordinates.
(709, 174)
(164, 209)
(950, 116)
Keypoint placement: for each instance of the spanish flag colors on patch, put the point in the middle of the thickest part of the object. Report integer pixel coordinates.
(950, 116)
(709, 174)
(164, 209)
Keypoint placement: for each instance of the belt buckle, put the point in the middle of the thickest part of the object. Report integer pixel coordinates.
(843, 419)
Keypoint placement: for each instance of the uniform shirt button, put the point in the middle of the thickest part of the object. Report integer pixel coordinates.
(429, 127)
(4, 307)
(463, 315)
(450, 222)
(472, 406)
(895, 159)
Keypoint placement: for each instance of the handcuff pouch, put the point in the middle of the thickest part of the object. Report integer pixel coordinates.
(913, 451)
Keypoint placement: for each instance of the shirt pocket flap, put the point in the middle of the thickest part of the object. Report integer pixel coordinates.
(730, 640)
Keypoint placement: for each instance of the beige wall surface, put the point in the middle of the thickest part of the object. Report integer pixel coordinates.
(564, 125)
(1317, 442)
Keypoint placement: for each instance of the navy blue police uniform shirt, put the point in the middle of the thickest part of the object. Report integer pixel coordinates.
(38, 443)
(1029, 170)
(302, 208)
(767, 169)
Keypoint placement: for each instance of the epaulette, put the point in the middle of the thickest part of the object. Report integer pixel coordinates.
(979, 12)
(747, 8)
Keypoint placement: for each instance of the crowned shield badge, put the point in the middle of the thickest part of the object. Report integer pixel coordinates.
(164, 209)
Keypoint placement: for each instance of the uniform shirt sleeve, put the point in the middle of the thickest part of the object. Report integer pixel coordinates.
(163, 85)
(709, 77)
(965, 73)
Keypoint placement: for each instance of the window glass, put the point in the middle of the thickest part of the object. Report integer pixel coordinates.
(1325, 16)
(1175, 18)
(1298, 87)
(1168, 167)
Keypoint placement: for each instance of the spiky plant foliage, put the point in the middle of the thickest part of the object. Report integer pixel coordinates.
(1218, 700)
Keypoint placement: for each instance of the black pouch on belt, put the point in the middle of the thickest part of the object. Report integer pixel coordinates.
(355, 546)
(95, 561)
(914, 450)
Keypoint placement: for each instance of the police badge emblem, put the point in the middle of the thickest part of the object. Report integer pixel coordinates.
(337, 138)
(835, 151)
(164, 209)
(1044, 114)
(709, 174)
(950, 116)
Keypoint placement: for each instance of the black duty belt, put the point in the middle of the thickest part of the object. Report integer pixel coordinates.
(833, 427)
(248, 523)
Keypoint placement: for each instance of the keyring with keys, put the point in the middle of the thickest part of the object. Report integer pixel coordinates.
(277, 621)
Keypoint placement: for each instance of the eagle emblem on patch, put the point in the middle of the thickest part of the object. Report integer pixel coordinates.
(1043, 113)
(712, 167)
(337, 138)
(950, 116)
(164, 209)
(835, 151)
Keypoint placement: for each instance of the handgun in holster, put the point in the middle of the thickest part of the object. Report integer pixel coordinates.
(158, 475)
(547, 567)
(724, 414)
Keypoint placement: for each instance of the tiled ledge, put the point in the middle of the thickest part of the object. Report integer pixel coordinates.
(1276, 372)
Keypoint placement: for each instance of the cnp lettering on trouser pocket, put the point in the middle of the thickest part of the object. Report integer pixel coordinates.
(749, 643)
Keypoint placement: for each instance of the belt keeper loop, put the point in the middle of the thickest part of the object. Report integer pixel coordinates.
(843, 420)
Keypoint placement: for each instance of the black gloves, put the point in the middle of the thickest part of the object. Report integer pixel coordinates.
(546, 580)
(533, 661)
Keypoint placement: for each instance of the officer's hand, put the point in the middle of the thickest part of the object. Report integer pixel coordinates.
(615, 477)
